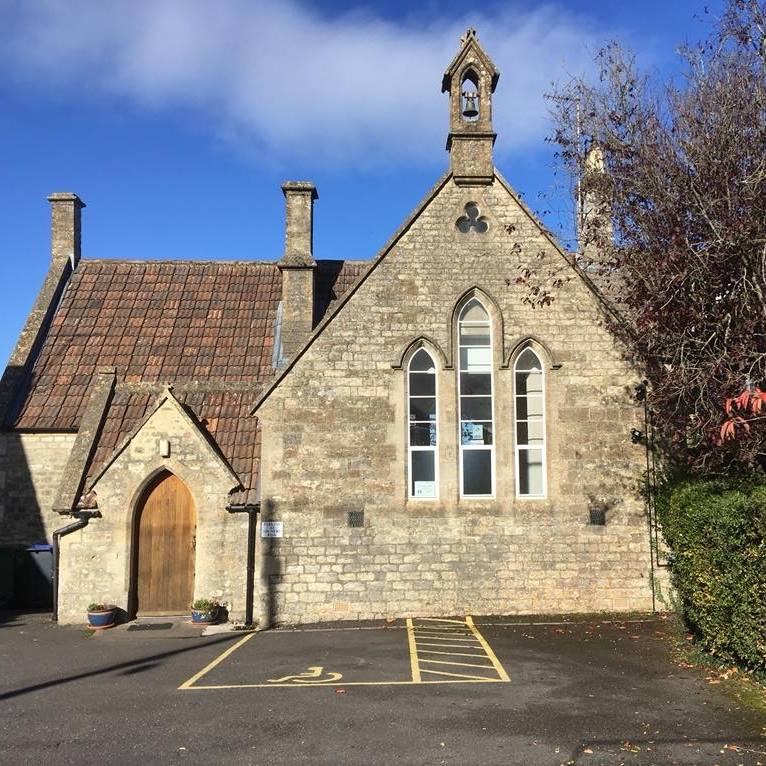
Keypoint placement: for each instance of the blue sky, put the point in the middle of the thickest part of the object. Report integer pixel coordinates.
(177, 120)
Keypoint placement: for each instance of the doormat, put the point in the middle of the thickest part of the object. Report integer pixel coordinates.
(151, 626)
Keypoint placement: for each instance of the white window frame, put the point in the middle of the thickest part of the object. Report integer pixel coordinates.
(431, 448)
(519, 447)
(464, 447)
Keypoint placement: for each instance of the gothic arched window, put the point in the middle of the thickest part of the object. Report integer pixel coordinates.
(422, 438)
(530, 425)
(477, 450)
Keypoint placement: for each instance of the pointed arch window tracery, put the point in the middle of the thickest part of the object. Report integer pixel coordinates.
(422, 439)
(475, 383)
(529, 413)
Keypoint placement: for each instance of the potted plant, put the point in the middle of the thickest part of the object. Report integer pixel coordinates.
(101, 615)
(205, 611)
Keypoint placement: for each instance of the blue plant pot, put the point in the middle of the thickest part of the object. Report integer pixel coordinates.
(102, 619)
(204, 618)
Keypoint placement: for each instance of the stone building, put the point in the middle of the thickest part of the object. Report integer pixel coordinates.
(430, 443)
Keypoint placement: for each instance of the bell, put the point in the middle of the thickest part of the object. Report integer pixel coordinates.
(470, 104)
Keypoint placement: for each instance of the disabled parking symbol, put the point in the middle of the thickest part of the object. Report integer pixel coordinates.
(314, 675)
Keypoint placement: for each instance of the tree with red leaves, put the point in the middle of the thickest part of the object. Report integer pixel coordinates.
(676, 237)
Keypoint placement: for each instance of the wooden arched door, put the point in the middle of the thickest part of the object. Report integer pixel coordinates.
(165, 543)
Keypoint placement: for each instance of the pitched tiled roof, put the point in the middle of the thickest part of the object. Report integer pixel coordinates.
(223, 415)
(163, 321)
(207, 328)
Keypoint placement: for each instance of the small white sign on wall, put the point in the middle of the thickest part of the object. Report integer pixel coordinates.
(425, 489)
(272, 528)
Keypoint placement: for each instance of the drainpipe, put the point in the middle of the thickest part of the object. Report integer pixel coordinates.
(252, 511)
(83, 517)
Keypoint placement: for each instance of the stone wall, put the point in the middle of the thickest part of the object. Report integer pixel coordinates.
(403, 564)
(31, 467)
(96, 562)
(334, 440)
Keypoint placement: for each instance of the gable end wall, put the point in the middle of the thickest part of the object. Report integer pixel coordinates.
(334, 440)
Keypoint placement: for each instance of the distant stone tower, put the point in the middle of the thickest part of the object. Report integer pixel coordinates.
(470, 80)
(596, 230)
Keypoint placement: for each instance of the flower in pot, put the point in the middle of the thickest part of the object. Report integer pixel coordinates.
(205, 611)
(101, 615)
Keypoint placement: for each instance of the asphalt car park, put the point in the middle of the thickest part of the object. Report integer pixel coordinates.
(456, 690)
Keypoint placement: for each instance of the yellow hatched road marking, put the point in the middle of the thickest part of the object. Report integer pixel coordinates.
(462, 639)
(461, 664)
(453, 675)
(446, 646)
(452, 654)
(498, 667)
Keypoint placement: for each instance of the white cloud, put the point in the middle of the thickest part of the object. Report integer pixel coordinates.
(289, 82)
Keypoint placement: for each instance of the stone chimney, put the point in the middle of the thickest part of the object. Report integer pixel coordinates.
(66, 224)
(297, 266)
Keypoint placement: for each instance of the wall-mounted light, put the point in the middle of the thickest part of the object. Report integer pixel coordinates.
(636, 436)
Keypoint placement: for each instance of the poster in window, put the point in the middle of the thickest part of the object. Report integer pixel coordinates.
(472, 433)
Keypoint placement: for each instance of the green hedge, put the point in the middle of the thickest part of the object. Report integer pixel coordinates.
(717, 532)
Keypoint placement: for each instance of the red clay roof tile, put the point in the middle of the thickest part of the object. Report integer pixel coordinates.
(168, 322)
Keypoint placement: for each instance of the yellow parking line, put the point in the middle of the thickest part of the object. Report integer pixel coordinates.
(456, 680)
(441, 619)
(219, 659)
(460, 664)
(451, 654)
(454, 640)
(452, 675)
(498, 667)
(445, 646)
(414, 667)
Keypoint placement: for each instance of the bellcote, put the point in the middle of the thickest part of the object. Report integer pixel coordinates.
(470, 80)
